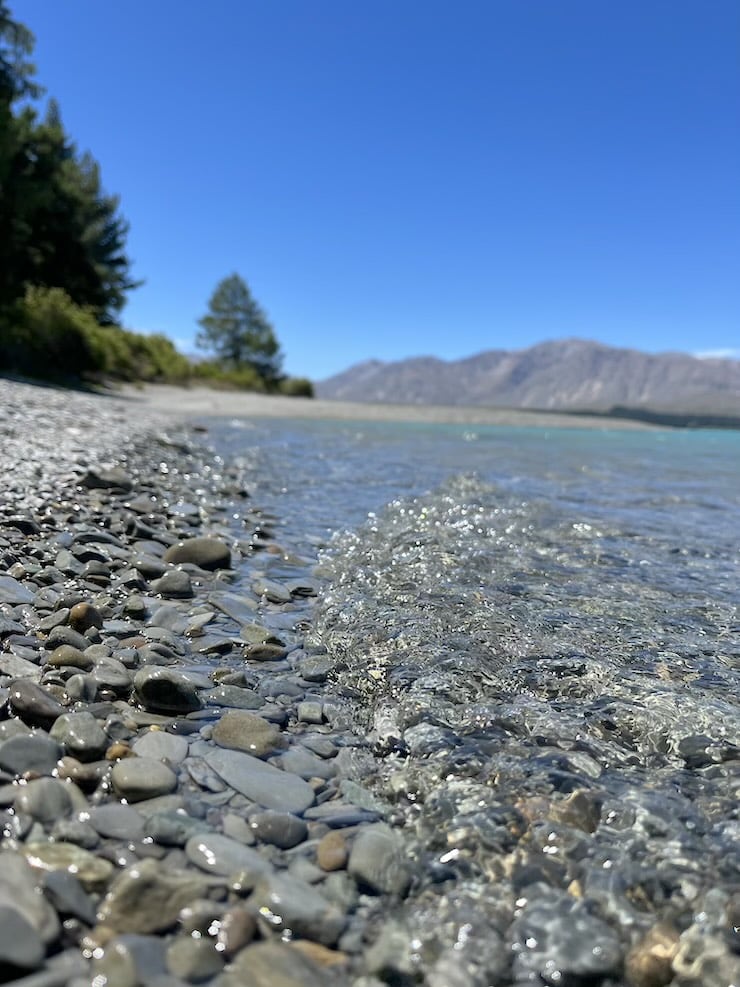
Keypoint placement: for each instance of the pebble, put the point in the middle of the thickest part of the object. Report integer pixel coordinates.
(332, 853)
(377, 861)
(261, 782)
(14, 593)
(81, 735)
(68, 896)
(45, 799)
(66, 655)
(194, 960)
(217, 854)
(206, 553)
(295, 905)
(139, 778)
(129, 961)
(163, 746)
(233, 696)
(117, 821)
(165, 690)
(20, 944)
(238, 928)
(274, 964)
(243, 731)
(82, 616)
(34, 705)
(91, 871)
(147, 897)
(34, 752)
(281, 829)
(174, 585)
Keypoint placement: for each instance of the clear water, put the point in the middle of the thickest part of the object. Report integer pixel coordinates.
(539, 631)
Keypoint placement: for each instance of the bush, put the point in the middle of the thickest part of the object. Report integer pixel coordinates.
(296, 387)
(48, 335)
(214, 374)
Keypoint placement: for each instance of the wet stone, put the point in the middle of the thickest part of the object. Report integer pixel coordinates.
(83, 616)
(162, 746)
(106, 478)
(234, 697)
(274, 964)
(68, 896)
(33, 704)
(139, 778)
(332, 853)
(281, 829)
(206, 553)
(130, 960)
(117, 821)
(66, 655)
(91, 871)
(81, 736)
(306, 765)
(243, 731)
(21, 946)
(174, 585)
(194, 960)
(165, 690)
(14, 593)
(33, 752)
(172, 828)
(217, 854)
(148, 897)
(299, 907)
(261, 782)
(45, 799)
(377, 861)
(66, 635)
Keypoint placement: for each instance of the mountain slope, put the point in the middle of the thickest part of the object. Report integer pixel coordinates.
(569, 374)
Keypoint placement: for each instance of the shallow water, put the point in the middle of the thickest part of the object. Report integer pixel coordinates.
(540, 631)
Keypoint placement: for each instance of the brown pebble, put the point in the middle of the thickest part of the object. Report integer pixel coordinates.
(332, 853)
(649, 962)
(320, 955)
(238, 928)
(83, 616)
(118, 750)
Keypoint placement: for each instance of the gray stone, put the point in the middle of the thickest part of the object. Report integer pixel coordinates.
(206, 553)
(310, 711)
(217, 854)
(174, 585)
(106, 478)
(165, 690)
(162, 746)
(260, 782)
(61, 635)
(139, 778)
(117, 821)
(81, 735)
(33, 704)
(33, 752)
(148, 897)
(233, 696)
(240, 730)
(45, 799)
(91, 871)
(68, 896)
(66, 655)
(14, 593)
(281, 829)
(172, 828)
(377, 861)
(303, 763)
(19, 889)
(274, 964)
(194, 960)
(129, 961)
(20, 943)
(299, 907)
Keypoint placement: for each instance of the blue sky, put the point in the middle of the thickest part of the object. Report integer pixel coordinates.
(403, 177)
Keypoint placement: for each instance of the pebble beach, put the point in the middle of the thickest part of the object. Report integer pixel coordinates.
(196, 790)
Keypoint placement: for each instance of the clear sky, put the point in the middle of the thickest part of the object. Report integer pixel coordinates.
(404, 177)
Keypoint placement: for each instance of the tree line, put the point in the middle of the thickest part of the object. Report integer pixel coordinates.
(64, 269)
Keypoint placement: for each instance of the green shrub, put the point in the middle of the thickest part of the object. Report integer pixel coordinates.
(214, 374)
(296, 387)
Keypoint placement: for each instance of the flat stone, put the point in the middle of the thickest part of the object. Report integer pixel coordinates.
(130, 960)
(261, 782)
(147, 897)
(303, 763)
(139, 778)
(92, 872)
(240, 730)
(66, 635)
(281, 829)
(206, 553)
(297, 906)
(172, 828)
(68, 896)
(14, 593)
(33, 704)
(67, 656)
(106, 478)
(44, 799)
(33, 752)
(377, 861)
(117, 821)
(81, 735)
(233, 696)
(20, 943)
(217, 854)
(19, 889)
(174, 585)
(162, 746)
(194, 960)
(165, 690)
(274, 964)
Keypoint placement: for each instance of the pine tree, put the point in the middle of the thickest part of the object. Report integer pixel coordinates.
(237, 330)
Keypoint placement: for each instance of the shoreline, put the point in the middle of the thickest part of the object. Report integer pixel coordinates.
(200, 402)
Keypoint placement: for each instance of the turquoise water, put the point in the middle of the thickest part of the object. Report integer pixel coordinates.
(529, 620)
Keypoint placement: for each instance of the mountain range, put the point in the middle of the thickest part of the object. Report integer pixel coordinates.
(560, 375)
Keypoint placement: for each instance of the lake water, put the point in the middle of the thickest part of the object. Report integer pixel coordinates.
(539, 631)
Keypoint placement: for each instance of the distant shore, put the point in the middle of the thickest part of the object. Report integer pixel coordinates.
(193, 402)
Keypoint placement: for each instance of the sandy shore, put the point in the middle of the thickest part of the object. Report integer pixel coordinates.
(201, 401)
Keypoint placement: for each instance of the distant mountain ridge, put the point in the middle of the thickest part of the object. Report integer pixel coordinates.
(562, 375)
